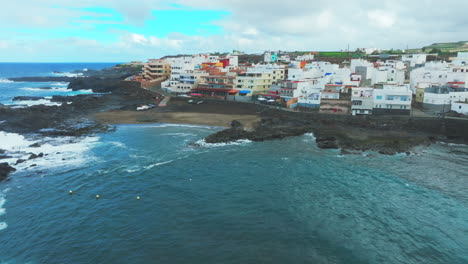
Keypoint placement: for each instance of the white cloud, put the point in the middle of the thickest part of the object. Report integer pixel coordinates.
(252, 26)
(381, 18)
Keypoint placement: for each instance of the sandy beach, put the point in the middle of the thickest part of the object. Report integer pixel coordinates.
(210, 119)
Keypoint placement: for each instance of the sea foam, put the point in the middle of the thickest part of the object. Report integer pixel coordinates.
(5, 81)
(202, 143)
(68, 74)
(58, 152)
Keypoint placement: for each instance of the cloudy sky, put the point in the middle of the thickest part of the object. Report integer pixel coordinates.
(124, 30)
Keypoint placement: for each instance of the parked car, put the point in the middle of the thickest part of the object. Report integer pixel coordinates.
(200, 102)
(191, 102)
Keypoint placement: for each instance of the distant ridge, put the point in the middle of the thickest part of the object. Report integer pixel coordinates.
(449, 46)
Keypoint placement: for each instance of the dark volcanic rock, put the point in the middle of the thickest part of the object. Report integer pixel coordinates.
(326, 142)
(34, 156)
(27, 98)
(35, 145)
(20, 161)
(5, 169)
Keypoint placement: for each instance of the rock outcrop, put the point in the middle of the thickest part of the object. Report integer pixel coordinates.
(5, 169)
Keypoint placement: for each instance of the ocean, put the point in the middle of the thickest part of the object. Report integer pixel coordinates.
(281, 201)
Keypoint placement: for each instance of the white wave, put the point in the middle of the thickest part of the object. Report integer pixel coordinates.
(179, 134)
(132, 170)
(54, 89)
(68, 74)
(2, 202)
(118, 144)
(60, 84)
(5, 81)
(27, 103)
(202, 143)
(3, 225)
(13, 141)
(310, 135)
(58, 152)
(157, 164)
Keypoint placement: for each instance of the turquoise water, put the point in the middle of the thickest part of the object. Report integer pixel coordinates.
(282, 201)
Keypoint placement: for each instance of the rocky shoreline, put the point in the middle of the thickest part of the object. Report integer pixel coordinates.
(353, 135)
(76, 117)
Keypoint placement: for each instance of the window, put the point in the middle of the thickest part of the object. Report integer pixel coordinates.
(356, 102)
(379, 97)
(390, 98)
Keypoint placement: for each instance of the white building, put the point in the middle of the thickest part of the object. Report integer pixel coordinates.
(414, 59)
(458, 76)
(432, 74)
(270, 57)
(386, 74)
(305, 57)
(392, 99)
(367, 67)
(284, 58)
(295, 74)
(184, 75)
(460, 107)
(362, 101)
(461, 60)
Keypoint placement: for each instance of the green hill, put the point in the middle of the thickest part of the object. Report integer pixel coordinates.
(449, 46)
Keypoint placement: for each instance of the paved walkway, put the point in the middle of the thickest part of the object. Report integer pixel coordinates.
(165, 101)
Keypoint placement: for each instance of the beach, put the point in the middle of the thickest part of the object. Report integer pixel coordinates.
(118, 117)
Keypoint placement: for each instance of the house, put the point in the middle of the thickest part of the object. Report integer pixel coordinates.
(362, 101)
(218, 85)
(335, 99)
(414, 60)
(433, 74)
(460, 107)
(156, 69)
(392, 100)
(437, 97)
(305, 57)
(387, 74)
(461, 59)
(269, 57)
(255, 81)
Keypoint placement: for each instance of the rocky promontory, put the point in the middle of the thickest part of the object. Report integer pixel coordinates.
(386, 135)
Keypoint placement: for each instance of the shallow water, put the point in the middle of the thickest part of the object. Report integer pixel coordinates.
(267, 202)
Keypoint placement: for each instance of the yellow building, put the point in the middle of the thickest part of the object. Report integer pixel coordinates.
(420, 95)
(255, 81)
(155, 69)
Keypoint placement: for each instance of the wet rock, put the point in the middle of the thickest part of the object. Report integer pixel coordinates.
(326, 142)
(33, 165)
(5, 157)
(28, 98)
(5, 169)
(35, 156)
(235, 124)
(20, 161)
(350, 152)
(35, 145)
(387, 152)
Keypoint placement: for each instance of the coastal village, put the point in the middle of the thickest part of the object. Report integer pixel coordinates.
(419, 84)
